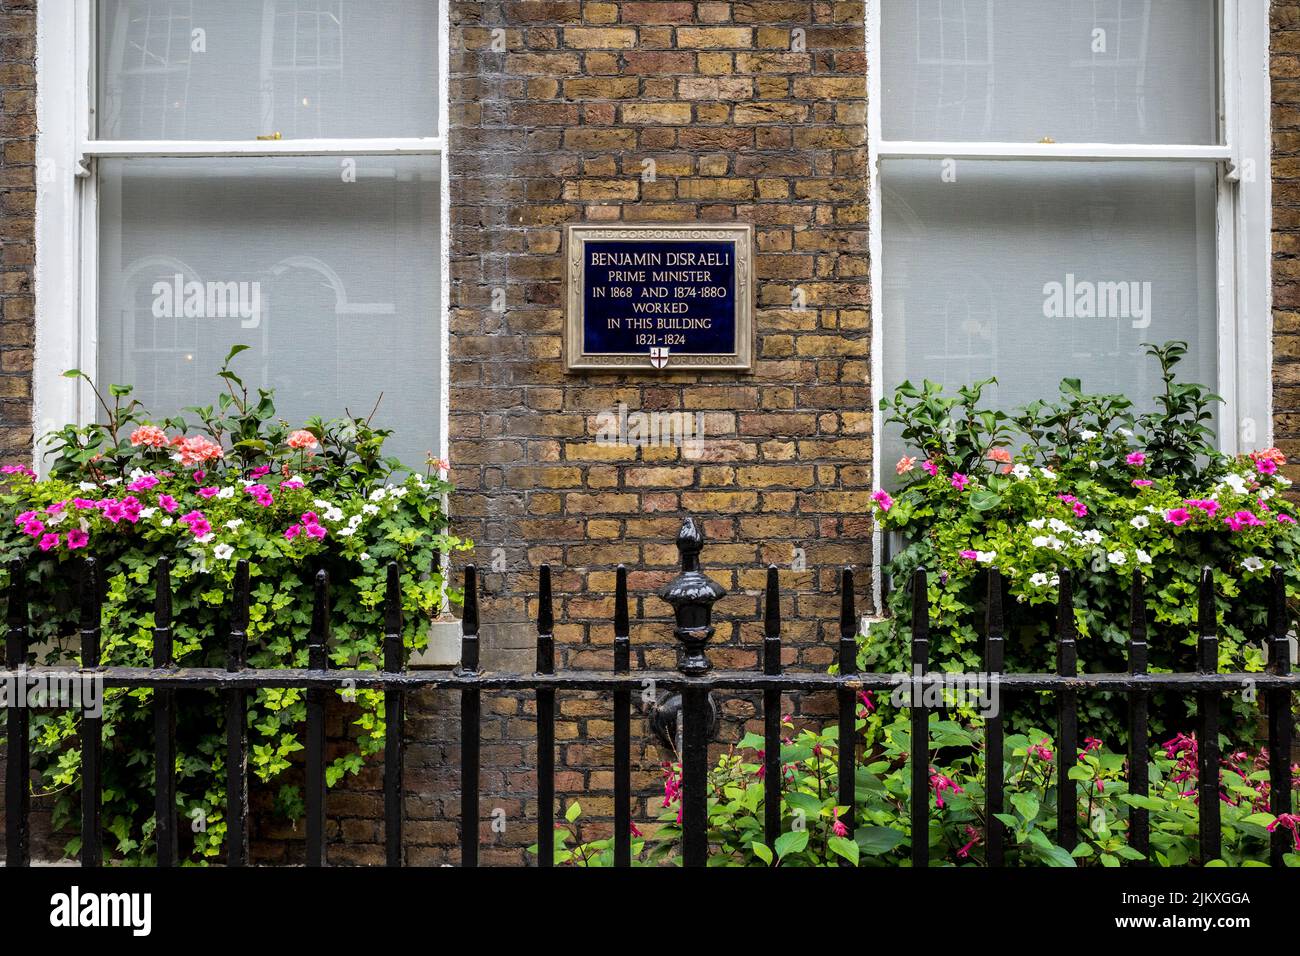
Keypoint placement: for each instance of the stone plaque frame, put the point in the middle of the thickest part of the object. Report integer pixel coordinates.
(739, 359)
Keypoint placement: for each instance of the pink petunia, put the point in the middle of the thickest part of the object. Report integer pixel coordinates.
(292, 532)
(167, 503)
(882, 498)
(1266, 466)
(1142, 482)
(1136, 458)
(17, 470)
(143, 483)
(1242, 519)
(969, 555)
(1178, 516)
(930, 468)
(77, 539)
(49, 541)
(208, 492)
(960, 481)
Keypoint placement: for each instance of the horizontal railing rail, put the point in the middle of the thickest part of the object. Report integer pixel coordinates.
(692, 596)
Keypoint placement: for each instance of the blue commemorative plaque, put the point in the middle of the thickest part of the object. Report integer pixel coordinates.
(656, 297)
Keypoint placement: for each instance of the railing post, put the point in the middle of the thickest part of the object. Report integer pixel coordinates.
(17, 746)
(772, 712)
(394, 718)
(622, 726)
(848, 664)
(470, 715)
(164, 715)
(545, 722)
(92, 727)
(994, 755)
(1067, 708)
(1207, 750)
(920, 720)
(692, 595)
(1138, 704)
(237, 726)
(317, 660)
(1281, 734)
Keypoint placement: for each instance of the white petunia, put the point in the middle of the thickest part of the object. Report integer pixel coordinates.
(1253, 564)
(1140, 521)
(333, 514)
(1059, 526)
(1048, 474)
(234, 523)
(167, 522)
(148, 513)
(378, 494)
(370, 509)
(223, 552)
(347, 532)
(984, 557)
(1021, 471)
(1038, 524)
(1092, 536)
(205, 538)
(1117, 558)
(1087, 435)
(1142, 556)
(88, 486)
(227, 492)
(56, 519)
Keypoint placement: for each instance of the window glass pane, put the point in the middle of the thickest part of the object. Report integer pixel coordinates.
(1035, 272)
(238, 69)
(1107, 71)
(333, 282)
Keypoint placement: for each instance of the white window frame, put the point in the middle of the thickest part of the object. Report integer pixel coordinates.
(67, 234)
(1244, 217)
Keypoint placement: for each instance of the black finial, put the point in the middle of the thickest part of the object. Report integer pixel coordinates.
(692, 595)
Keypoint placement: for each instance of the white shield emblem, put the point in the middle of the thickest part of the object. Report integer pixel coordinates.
(659, 356)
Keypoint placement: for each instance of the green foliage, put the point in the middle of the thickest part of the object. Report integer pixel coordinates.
(243, 485)
(1099, 491)
(810, 817)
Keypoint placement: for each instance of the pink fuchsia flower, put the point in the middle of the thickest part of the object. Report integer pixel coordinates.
(77, 539)
(1135, 458)
(143, 483)
(49, 541)
(837, 826)
(930, 468)
(1242, 519)
(905, 464)
(939, 783)
(150, 436)
(867, 703)
(1041, 751)
(973, 836)
(302, 440)
(1288, 821)
(1266, 466)
(1089, 744)
(1142, 482)
(960, 481)
(882, 498)
(167, 503)
(634, 829)
(17, 470)
(1178, 516)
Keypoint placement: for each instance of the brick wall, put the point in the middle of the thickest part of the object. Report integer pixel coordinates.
(17, 210)
(746, 120)
(1285, 71)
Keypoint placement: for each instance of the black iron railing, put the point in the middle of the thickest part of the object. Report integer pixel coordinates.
(691, 595)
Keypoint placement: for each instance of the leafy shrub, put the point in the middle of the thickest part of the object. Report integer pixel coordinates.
(1100, 491)
(813, 832)
(242, 485)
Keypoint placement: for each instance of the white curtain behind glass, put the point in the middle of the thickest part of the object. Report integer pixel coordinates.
(966, 265)
(1113, 71)
(344, 276)
(238, 69)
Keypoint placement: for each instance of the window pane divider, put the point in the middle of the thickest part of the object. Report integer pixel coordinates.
(905, 149)
(201, 148)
